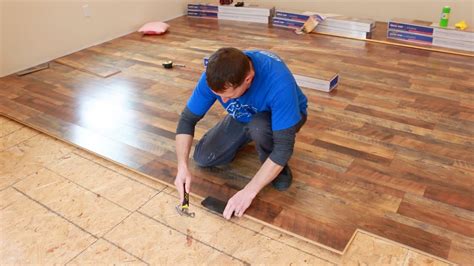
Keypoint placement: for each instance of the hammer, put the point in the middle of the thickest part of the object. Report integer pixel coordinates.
(183, 209)
(170, 64)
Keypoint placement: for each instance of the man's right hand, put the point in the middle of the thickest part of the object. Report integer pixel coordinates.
(183, 178)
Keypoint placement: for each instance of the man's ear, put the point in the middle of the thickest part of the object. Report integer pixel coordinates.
(248, 78)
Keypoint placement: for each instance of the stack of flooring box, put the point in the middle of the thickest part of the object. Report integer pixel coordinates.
(315, 79)
(333, 24)
(289, 19)
(424, 32)
(202, 10)
(322, 82)
(246, 13)
(311, 79)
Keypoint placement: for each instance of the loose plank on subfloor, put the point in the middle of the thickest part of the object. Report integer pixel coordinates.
(398, 124)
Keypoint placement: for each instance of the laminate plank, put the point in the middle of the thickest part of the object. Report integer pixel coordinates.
(437, 214)
(414, 237)
(403, 120)
(461, 252)
(386, 177)
(455, 197)
(317, 230)
(351, 152)
(83, 61)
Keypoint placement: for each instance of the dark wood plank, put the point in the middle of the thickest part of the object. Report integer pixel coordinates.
(399, 119)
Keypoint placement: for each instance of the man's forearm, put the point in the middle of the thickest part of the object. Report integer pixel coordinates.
(267, 172)
(183, 147)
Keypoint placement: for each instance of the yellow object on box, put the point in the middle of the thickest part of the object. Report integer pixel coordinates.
(461, 25)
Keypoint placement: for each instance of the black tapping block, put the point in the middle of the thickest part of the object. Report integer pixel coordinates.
(214, 204)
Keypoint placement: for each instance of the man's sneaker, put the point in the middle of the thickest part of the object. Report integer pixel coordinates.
(283, 181)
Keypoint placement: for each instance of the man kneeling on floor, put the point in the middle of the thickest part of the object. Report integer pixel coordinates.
(264, 105)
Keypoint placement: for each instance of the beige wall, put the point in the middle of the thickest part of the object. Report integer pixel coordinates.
(1, 38)
(383, 10)
(37, 31)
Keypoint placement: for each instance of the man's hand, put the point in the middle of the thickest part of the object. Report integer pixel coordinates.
(238, 203)
(183, 177)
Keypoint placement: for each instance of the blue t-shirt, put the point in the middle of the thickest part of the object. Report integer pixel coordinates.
(273, 89)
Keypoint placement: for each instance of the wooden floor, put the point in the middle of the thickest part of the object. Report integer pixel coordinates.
(389, 152)
(61, 205)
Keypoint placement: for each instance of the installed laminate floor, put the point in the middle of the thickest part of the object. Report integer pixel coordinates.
(71, 207)
(389, 152)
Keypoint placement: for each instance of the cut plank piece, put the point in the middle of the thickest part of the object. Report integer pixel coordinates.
(33, 69)
(90, 64)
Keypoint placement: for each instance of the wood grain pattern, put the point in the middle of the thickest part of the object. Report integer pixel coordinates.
(88, 62)
(388, 152)
(452, 219)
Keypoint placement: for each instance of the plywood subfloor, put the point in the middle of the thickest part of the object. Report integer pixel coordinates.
(77, 208)
(389, 152)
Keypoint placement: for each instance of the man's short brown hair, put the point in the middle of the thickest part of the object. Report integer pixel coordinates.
(227, 67)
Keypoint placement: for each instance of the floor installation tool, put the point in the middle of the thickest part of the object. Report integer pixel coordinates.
(215, 205)
(183, 208)
(170, 64)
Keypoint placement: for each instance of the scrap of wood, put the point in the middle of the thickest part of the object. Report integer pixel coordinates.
(33, 69)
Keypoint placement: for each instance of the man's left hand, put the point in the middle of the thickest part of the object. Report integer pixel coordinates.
(238, 203)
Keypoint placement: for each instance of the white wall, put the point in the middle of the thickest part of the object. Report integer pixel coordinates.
(37, 31)
(383, 10)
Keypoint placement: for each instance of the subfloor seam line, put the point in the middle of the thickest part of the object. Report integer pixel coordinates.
(14, 131)
(124, 250)
(152, 197)
(55, 212)
(200, 241)
(112, 243)
(258, 232)
(126, 217)
(21, 142)
(131, 212)
(82, 251)
(89, 190)
(406, 258)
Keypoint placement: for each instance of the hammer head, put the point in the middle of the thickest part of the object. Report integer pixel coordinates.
(168, 64)
(183, 210)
